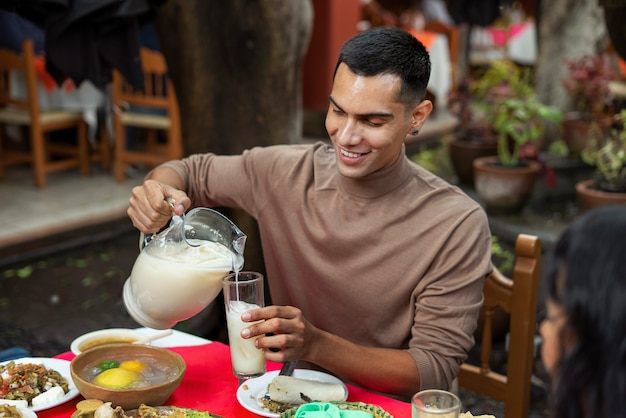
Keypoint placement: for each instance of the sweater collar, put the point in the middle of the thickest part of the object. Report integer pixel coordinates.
(378, 183)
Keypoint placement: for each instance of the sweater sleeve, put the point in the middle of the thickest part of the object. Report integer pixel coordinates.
(448, 301)
(237, 181)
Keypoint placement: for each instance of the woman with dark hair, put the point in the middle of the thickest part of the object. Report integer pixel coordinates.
(584, 332)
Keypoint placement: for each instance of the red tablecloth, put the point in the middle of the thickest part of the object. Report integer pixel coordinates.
(209, 385)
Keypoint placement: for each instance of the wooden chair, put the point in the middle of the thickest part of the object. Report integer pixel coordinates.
(157, 94)
(453, 35)
(41, 152)
(517, 297)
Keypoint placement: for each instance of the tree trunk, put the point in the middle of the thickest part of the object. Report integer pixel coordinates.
(236, 67)
(582, 31)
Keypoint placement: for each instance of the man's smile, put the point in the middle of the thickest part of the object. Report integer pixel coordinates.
(351, 154)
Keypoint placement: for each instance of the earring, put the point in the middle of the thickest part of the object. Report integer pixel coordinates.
(415, 132)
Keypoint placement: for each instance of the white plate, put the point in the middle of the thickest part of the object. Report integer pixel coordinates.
(61, 366)
(27, 413)
(252, 389)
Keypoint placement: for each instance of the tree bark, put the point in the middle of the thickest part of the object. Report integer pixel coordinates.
(236, 67)
(581, 31)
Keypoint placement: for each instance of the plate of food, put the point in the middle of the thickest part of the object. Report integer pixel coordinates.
(288, 391)
(8, 410)
(145, 411)
(374, 410)
(54, 385)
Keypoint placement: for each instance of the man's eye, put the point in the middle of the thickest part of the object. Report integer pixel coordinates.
(373, 123)
(338, 112)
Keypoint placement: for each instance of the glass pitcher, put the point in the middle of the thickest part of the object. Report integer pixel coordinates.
(179, 272)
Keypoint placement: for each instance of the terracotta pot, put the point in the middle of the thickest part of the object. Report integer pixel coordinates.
(589, 197)
(464, 152)
(504, 190)
(578, 127)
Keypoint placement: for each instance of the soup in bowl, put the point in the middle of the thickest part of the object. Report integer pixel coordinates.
(103, 337)
(128, 375)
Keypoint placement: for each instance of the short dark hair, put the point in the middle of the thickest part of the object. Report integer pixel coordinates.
(387, 49)
(586, 275)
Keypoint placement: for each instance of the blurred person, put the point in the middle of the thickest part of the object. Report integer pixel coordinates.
(584, 331)
(375, 265)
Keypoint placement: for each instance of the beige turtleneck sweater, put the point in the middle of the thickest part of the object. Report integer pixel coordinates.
(394, 260)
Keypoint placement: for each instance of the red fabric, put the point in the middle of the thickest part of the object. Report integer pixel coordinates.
(46, 79)
(425, 37)
(209, 385)
(500, 37)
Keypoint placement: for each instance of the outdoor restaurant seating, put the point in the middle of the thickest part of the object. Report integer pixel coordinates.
(517, 296)
(454, 43)
(152, 109)
(45, 153)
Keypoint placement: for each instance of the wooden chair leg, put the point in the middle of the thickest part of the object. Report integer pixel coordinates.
(83, 149)
(119, 163)
(105, 149)
(38, 149)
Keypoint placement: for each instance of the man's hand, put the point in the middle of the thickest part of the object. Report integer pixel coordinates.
(383, 369)
(290, 334)
(148, 209)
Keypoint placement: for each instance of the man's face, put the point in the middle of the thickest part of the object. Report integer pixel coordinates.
(366, 123)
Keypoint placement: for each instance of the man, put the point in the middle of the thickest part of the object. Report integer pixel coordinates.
(375, 266)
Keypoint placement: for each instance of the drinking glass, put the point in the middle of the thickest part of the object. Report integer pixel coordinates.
(435, 403)
(243, 291)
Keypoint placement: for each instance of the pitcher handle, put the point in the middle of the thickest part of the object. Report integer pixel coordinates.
(144, 239)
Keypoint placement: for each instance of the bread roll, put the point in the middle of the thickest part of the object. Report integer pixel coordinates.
(291, 390)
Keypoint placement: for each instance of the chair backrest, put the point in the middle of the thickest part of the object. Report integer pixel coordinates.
(131, 107)
(454, 43)
(22, 62)
(518, 298)
(158, 90)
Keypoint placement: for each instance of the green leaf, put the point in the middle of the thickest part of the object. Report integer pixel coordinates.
(25, 272)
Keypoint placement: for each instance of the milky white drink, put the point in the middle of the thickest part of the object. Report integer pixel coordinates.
(248, 361)
(243, 292)
(176, 281)
(435, 403)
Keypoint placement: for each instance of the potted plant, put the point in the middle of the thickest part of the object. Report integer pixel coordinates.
(472, 103)
(505, 182)
(587, 83)
(608, 156)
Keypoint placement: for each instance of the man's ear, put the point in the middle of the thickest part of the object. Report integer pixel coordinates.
(420, 114)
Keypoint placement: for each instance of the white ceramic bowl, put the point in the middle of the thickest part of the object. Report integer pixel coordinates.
(105, 336)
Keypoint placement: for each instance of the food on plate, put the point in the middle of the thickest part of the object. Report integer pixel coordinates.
(31, 382)
(364, 410)
(9, 411)
(145, 411)
(468, 414)
(124, 371)
(286, 392)
(49, 396)
(86, 408)
(288, 389)
(17, 403)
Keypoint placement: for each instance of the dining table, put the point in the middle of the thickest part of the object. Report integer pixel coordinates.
(209, 384)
